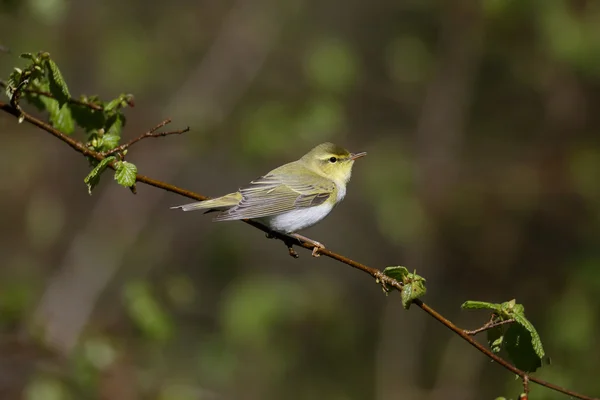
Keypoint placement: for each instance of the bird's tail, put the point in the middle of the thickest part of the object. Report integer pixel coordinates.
(220, 203)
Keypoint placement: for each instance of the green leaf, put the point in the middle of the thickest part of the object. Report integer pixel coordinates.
(114, 124)
(29, 56)
(109, 141)
(63, 120)
(146, 311)
(518, 345)
(536, 341)
(412, 290)
(93, 177)
(35, 100)
(123, 100)
(87, 118)
(476, 305)
(125, 173)
(521, 340)
(397, 272)
(495, 338)
(58, 86)
(413, 284)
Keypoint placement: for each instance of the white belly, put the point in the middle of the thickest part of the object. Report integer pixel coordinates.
(296, 220)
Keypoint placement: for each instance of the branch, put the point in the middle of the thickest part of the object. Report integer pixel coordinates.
(150, 134)
(489, 325)
(49, 95)
(288, 240)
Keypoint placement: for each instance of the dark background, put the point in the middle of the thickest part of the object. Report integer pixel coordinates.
(480, 122)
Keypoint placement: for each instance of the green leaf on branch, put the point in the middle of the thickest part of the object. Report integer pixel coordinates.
(536, 341)
(518, 344)
(495, 338)
(125, 173)
(110, 141)
(114, 124)
(30, 56)
(93, 177)
(520, 340)
(58, 86)
(413, 285)
(122, 101)
(478, 305)
(63, 120)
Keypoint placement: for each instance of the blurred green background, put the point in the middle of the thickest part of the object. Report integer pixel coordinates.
(483, 174)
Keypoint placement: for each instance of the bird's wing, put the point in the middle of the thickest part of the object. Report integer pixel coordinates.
(276, 194)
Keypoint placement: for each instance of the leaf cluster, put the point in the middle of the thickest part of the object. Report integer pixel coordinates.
(519, 340)
(41, 83)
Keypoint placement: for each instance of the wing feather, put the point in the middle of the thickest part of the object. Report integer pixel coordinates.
(276, 194)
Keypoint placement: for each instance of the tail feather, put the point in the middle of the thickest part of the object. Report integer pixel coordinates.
(220, 203)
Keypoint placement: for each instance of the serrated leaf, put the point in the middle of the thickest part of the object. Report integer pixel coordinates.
(93, 177)
(29, 56)
(518, 345)
(109, 141)
(536, 341)
(10, 87)
(396, 272)
(125, 173)
(477, 305)
(412, 290)
(413, 284)
(58, 86)
(63, 120)
(114, 124)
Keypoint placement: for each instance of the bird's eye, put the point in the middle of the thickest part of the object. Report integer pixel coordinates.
(332, 160)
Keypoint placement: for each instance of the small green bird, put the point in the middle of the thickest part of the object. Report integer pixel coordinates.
(292, 197)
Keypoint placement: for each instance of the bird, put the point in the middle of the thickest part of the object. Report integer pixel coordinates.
(291, 197)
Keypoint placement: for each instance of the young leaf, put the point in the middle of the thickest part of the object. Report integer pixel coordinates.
(125, 173)
(109, 141)
(63, 120)
(396, 272)
(412, 290)
(536, 342)
(115, 124)
(518, 345)
(93, 177)
(58, 86)
(123, 100)
(30, 56)
(495, 337)
(476, 305)
(413, 284)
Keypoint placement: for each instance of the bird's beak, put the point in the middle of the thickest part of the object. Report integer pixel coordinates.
(354, 156)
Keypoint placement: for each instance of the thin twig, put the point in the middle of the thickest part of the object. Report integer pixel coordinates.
(48, 94)
(373, 272)
(489, 325)
(526, 385)
(150, 134)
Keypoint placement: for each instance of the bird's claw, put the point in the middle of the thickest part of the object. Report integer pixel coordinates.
(292, 252)
(316, 252)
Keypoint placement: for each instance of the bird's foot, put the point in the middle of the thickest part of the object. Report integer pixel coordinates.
(317, 247)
